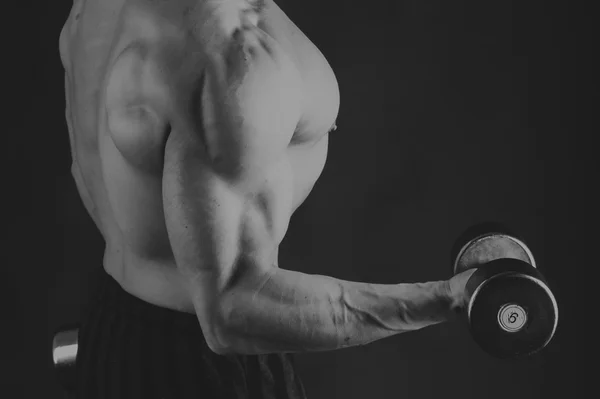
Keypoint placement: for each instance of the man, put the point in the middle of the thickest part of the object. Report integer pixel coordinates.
(197, 128)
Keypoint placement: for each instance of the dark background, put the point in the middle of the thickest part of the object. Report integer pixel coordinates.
(452, 113)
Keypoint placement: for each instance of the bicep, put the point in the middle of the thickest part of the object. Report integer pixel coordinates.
(202, 221)
(202, 212)
(223, 232)
(217, 231)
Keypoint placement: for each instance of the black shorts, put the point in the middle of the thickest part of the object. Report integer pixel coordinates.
(131, 349)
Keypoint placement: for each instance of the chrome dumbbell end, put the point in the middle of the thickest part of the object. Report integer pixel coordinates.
(486, 242)
(65, 346)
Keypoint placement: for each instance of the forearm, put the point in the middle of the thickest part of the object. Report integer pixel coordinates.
(287, 311)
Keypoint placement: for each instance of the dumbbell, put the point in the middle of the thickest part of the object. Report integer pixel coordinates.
(512, 311)
(64, 355)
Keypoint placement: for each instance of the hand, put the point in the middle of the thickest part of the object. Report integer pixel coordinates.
(457, 289)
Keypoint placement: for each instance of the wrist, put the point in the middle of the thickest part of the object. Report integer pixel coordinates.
(446, 300)
(423, 304)
(457, 290)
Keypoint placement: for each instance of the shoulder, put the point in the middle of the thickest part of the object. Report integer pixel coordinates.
(321, 95)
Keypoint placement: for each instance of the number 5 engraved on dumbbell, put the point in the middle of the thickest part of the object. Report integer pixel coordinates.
(512, 317)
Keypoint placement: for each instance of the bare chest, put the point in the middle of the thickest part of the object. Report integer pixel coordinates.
(95, 29)
(95, 34)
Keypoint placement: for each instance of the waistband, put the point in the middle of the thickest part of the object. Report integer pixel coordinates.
(111, 296)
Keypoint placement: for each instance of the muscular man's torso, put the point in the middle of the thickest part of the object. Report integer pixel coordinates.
(120, 178)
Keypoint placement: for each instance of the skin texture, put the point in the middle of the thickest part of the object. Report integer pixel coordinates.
(197, 128)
